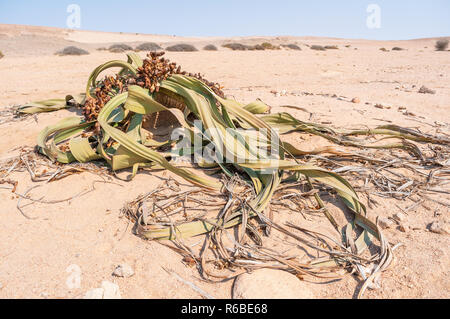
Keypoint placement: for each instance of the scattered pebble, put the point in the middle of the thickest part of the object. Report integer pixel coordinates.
(270, 284)
(123, 270)
(44, 295)
(438, 228)
(403, 228)
(381, 106)
(96, 293)
(111, 290)
(281, 93)
(423, 89)
(108, 290)
(355, 100)
(400, 217)
(385, 222)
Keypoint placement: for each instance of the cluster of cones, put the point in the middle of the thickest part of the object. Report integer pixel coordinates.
(155, 69)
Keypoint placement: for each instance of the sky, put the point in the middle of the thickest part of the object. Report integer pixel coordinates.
(353, 19)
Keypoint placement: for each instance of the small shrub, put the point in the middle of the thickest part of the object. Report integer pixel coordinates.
(257, 47)
(397, 49)
(210, 47)
(269, 46)
(236, 46)
(182, 48)
(317, 47)
(424, 90)
(384, 50)
(121, 47)
(292, 47)
(331, 47)
(441, 45)
(148, 46)
(71, 50)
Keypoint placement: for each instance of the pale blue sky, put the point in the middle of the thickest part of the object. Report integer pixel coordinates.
(400, 19)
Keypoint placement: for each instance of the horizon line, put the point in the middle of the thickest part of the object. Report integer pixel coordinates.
(198, 36)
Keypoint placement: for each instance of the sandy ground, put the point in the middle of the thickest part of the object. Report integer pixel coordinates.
(36, 255)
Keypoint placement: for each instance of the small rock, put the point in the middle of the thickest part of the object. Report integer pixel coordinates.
(270, 284)
(438, 228)
(385, 222)
(108, 290)
(111, 290)
(400, 217)
(423, 89)
(403, 228)
(283, 93)
(123, 270)
(382, 106)
(355, 100)
(43, 294)
(96, 293)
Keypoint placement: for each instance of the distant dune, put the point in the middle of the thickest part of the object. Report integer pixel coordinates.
(17, 39)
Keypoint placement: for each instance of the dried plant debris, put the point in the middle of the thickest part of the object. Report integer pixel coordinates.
(72, 50)
(182, 47)
(241, 207)
(148, 46)
(210, 47)
(42, 171)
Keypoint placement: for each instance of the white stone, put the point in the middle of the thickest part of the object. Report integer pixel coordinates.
(270, 284)
(385, 222)
(96, 293)
(400, 217)
(438, 228)
(123, 270)
(111, 290)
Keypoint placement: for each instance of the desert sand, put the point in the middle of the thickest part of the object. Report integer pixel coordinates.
(88, 231)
